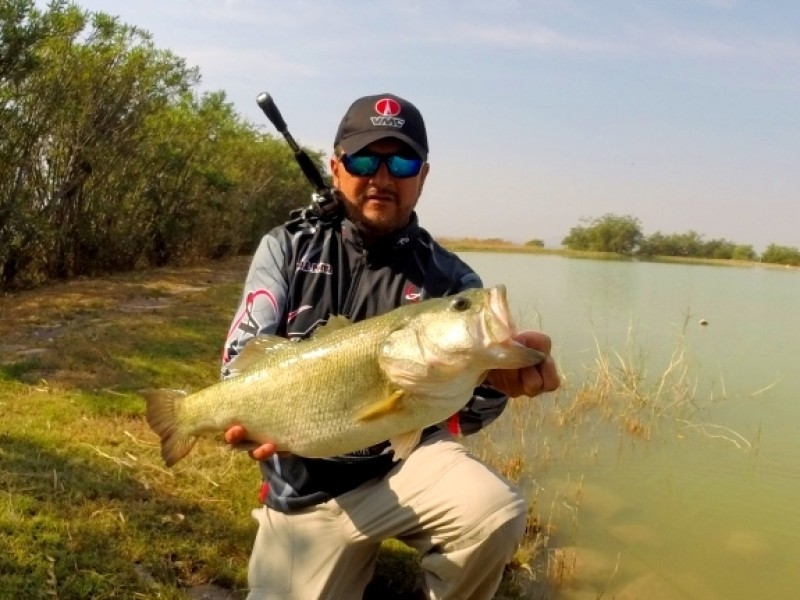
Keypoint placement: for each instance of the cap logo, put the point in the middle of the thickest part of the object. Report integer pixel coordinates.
(388, 109)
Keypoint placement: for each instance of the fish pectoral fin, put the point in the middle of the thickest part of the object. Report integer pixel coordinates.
(402, 445)
(383, 407)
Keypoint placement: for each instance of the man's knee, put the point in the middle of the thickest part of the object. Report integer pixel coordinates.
(506, 521)
(494, 513)
(508, 535)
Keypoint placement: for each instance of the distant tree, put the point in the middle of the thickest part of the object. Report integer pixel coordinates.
(608, 233)
(692, 245)
(781, 255)
(577, 239)
(535, 243)
(689, 244)
(656, 244)
(744, 252)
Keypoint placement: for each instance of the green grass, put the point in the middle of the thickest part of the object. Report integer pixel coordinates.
(87, 509)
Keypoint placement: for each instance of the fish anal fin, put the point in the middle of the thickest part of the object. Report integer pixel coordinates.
(382, 408)
(403, 444)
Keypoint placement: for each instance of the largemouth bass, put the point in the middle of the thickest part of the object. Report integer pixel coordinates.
(351, 386)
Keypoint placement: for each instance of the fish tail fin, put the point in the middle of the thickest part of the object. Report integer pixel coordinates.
(163, 419)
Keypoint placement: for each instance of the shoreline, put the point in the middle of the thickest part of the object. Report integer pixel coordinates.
(473, 245)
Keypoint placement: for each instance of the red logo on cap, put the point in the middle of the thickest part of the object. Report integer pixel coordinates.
(387, 107)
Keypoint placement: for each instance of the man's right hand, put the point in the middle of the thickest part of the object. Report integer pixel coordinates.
(237, 434)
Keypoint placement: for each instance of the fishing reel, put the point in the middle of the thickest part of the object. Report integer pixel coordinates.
(325, 204)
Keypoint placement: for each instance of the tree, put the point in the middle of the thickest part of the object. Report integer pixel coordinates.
(744, 252)
(110, 161)
(781, 255)
(608, 233)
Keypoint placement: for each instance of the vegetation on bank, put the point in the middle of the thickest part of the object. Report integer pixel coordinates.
(622, 234)
(500, 245)
(111, 161)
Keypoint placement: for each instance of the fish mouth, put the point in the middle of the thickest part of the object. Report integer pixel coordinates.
(497, 322)
(499, 330)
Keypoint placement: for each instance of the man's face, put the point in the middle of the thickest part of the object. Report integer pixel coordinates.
(379, 203)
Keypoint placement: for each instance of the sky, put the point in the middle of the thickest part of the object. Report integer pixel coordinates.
(684, 114)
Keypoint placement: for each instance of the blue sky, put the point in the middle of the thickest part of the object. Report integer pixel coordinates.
(682, 113)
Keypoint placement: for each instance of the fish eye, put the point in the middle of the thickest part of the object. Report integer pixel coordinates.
(461, 303)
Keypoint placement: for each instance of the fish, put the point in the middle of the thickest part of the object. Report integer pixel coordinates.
(351, 386)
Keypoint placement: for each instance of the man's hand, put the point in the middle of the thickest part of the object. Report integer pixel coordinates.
(529, 381)
(236, 435)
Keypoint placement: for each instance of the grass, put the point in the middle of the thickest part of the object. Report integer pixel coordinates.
(87, 509)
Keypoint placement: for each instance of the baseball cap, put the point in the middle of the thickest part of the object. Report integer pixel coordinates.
(373, 118)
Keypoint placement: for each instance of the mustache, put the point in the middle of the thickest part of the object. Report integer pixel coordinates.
(374, 191)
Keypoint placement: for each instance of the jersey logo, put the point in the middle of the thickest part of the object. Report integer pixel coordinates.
(307, 266)
(246, 321)
(412, 293)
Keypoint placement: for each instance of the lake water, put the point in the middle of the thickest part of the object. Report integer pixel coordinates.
(708, 508)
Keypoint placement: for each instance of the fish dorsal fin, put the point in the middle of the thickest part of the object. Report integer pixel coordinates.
(335, 323)
(382, 408)
(254, 351)
(403, 444)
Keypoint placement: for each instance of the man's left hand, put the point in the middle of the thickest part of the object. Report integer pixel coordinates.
(529, 381)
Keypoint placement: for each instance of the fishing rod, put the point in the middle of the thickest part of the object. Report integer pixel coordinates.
(324, 203)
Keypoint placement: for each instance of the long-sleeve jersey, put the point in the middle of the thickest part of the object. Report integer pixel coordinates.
(307, 270)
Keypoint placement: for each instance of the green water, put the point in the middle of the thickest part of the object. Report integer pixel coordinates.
(686, 514)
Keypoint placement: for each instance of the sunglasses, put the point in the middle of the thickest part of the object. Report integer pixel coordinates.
(366, 163)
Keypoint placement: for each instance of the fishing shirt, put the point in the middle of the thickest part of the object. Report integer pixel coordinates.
(307, 270)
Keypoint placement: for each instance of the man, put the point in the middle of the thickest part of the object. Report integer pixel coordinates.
(324, 520)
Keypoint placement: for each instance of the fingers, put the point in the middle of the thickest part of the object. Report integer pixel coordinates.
(535, 339)
(529, 381)
(263, 452)
(551, 380)
(237, 435)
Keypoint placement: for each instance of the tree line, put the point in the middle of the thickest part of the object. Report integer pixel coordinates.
(110, 160)
(622, 234)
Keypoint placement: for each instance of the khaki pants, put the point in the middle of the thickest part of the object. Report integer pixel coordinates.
(463, 518)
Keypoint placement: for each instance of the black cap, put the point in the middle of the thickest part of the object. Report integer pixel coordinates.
(373, 118)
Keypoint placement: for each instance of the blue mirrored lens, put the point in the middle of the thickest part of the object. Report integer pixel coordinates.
(367, 164)
(403, 166)
(361, 165)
